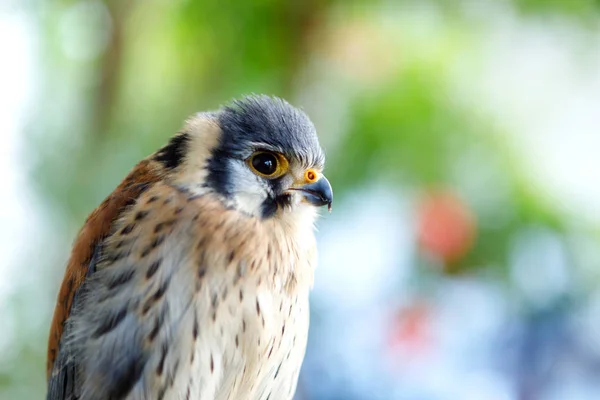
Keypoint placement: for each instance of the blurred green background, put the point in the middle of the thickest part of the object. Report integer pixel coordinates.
(462, 140)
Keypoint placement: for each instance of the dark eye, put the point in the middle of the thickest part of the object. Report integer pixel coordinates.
(267, 164)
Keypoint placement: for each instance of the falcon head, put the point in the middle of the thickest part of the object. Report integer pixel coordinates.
(259, 154)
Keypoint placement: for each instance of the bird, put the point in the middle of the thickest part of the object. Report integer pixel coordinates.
(191, 280)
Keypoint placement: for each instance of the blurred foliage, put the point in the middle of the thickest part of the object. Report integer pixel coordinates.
(581, 8)
(163, 60)
(415, 137)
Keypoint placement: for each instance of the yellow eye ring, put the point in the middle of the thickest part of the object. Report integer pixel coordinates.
(311, 176)
(268, 164)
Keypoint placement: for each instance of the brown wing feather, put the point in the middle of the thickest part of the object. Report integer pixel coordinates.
(96, 227)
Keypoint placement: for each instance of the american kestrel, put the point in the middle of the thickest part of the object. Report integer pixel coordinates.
(191, 280)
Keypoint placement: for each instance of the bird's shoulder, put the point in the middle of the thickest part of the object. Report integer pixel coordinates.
(96, 227)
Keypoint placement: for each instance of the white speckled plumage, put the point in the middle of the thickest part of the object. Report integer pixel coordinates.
(195, 292)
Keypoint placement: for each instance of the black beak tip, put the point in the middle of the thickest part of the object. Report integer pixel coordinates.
(319, 193)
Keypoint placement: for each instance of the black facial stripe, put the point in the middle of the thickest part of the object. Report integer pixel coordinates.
(277, 198)
(219, 173)
(270, 206)
(173, 153)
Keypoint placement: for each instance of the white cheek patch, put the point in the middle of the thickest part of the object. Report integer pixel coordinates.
(249, 191)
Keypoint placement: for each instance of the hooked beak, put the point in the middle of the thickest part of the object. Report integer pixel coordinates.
(318, 193)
